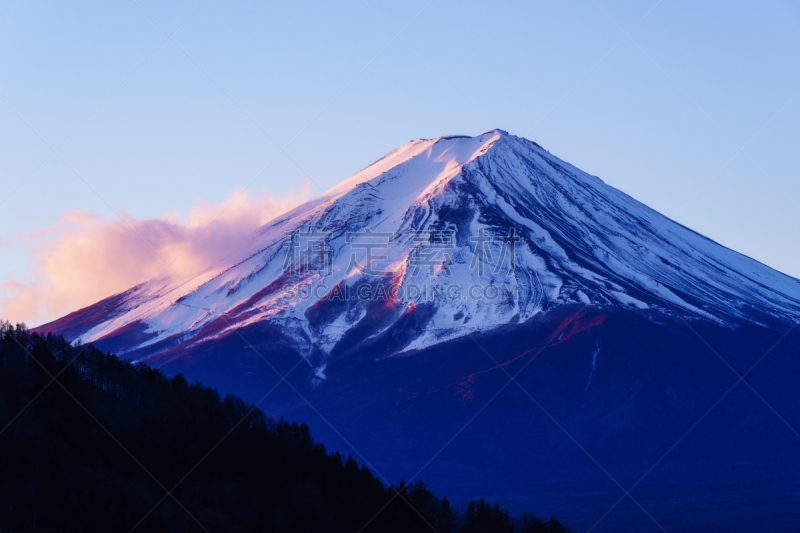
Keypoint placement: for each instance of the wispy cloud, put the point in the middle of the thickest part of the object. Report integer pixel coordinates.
(82, 258)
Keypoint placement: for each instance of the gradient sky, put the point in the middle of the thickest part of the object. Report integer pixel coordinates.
(692, 109)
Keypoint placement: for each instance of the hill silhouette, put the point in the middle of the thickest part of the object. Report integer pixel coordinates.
(112, 446)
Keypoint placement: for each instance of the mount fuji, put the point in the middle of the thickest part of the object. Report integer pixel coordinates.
(482, 312)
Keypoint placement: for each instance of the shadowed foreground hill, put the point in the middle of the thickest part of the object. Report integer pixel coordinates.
(98, 449)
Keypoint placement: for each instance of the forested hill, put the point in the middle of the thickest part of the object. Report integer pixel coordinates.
(110, 446)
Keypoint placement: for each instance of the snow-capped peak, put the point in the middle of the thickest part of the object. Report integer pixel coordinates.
(462, 234)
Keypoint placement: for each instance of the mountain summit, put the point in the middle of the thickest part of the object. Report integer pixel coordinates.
(438, 239)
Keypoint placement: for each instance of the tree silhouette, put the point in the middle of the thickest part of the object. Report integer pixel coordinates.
(61, 468)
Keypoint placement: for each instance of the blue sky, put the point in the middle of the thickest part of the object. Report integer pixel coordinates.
(692, 109)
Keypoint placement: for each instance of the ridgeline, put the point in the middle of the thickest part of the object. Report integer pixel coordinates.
(112, 446)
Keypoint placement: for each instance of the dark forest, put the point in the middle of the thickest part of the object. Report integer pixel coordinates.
(89, 442)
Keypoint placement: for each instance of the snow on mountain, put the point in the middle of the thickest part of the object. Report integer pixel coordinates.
(470, 233)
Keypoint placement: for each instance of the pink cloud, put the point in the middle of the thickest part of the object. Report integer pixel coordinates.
(84, 258)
